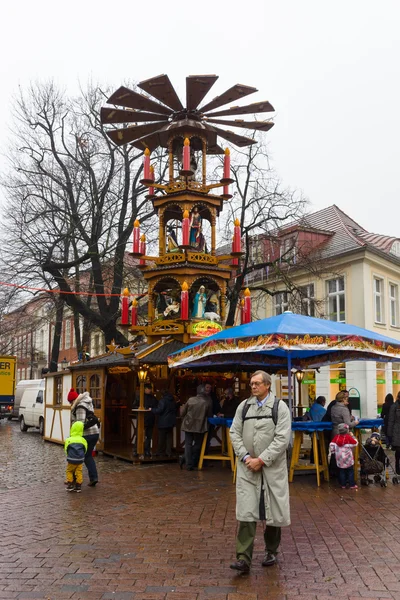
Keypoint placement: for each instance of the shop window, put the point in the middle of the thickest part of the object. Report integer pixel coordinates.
(281, 302)
(378, 300)
(307, 300)
(81, 384)
(396, 379)
(58, 388)
(336, 300)
(394, 304)
(337, 379)
(95, 390)
(380, 382)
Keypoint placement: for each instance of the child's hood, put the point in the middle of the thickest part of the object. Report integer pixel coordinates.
(343, 440)
(76, 429)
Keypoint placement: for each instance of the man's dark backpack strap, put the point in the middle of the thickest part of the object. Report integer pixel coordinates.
(274, 415)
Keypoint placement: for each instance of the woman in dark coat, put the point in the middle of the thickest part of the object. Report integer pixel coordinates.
(389, 400)
(393, 430)
(166, 411)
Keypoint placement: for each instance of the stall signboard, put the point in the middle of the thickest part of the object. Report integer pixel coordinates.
(308, 381)
(396, 381)
(338, 380)
(116, 370)
(381, 381)
(204, 328)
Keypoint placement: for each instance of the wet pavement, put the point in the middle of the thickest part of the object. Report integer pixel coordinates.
(158, 533)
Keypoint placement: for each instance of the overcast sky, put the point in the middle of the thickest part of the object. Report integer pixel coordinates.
(331, 70)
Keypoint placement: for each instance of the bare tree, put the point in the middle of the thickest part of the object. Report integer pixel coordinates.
(73, 197)
(263, 206)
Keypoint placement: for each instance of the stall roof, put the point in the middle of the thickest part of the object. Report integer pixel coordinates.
(155, 353)
(160, 354)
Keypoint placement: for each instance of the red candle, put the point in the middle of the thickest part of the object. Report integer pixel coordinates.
(185, 301)
(146, 164)
(227, 164)
(247, 305)
(235, 261)
(136, 236)
(134, 312)
(151, 188)
(186, 155)
(125, 307)
(185, 228)
(142, 249)
(242, 312)
(226, 190)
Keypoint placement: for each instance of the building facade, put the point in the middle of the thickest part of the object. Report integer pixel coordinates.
(338, 271)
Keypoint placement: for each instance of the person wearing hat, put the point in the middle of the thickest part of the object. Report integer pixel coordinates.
(342, 447)
(81, 405)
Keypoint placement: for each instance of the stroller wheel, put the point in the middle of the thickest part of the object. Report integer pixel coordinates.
(395, 480)
(364, 481)
(377, 478)
(383, 484)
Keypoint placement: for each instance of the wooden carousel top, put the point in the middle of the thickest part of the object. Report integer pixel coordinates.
(162, 116)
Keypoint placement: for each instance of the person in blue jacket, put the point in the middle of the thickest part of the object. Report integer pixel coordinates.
(318, 410)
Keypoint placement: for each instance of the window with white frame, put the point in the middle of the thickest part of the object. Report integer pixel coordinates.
(288, 250)
(378, 300)
(395, 249)
(67, 335)
(336, 299)
(307, 300)
(281, 302)
(394, 304)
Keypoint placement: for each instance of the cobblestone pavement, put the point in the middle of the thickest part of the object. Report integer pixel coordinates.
(158, 533)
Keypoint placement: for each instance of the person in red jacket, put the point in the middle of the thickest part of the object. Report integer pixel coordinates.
(342, 447)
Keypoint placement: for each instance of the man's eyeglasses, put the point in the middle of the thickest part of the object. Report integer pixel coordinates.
(256, 383)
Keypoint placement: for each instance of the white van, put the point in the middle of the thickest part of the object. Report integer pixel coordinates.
(31, 407)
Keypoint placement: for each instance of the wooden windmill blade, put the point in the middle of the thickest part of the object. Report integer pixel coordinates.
(115, 115)
(234, 93)
(129, 134)
(234, 138)
(249, 109)
(215, 150)
(257, 125)
(130, 99)
(160, 87)
(150, 141)
(197, 87)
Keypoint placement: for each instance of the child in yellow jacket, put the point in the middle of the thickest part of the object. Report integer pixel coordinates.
(75, 448)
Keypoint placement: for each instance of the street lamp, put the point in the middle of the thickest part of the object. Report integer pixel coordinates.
(142, 375)
(299, 376)
(64, 363)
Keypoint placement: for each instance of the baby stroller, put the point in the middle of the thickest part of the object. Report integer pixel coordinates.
(374, 461)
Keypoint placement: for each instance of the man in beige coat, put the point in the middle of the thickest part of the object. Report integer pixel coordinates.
(262, 489)
(195, 415)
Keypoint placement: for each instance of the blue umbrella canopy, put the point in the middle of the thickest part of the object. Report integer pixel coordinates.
(303, 341)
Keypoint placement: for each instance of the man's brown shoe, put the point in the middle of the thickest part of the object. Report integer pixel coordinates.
(269, 559)
(240, 565)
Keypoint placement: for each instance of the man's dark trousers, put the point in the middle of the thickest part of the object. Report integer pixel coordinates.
(245, 540)
(193, 441)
